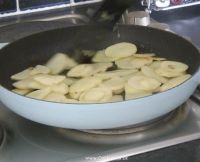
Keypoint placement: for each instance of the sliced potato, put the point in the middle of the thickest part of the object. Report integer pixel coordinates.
(159, 58)
(174, 66)
(101, 57)
(116, 84)
(55, 97)
(115, 73)
(22, 75)
(121, 50)
(131, 90)
(84, 84)
(21, 91)
(69, 100)
(40, 69)
(60, 62)
(81, 70)
(137, 95)
(137, 74)
(85, 70)
(116, 98)
(69, 81)
(127, 77)
(171, 69)
(139, 62)
(101, 67)
(147, 71)
(74, 95)
(99, 94)
(143, 55)
(155, 65)
(61, 88)
(143, 83)
(125, 63)
(168, 73)
(39, 94)
(133, 62)
(174, 82)
(28, 83)
(49, 79)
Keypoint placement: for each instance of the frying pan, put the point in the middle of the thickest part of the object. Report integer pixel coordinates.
(38, 48)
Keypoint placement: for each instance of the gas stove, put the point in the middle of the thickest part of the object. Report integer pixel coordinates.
(22, 140)
(27, 141)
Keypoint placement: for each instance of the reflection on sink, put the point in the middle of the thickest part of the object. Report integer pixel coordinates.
(184, 21)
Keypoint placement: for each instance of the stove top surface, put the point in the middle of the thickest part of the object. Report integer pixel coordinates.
(28, 141)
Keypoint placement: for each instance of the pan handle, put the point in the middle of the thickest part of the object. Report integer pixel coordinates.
(110, 11)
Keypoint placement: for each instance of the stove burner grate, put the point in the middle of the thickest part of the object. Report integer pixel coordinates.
(135, 133)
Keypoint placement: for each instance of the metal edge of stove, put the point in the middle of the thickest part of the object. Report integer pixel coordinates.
(3, 136)
(127, 151)
(161, 126)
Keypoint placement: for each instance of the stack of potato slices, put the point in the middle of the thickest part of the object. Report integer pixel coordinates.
(115, 74)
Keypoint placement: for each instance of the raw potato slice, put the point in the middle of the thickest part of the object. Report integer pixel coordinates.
(115, 73)
(133, 62)
(101, 67)
(159, 58)
(40, 69)
(70, 62)
(155, 65)
(81, 70)
(125, 63)
(174, 82)
(116, 84)
(49, 79)
(28, 83)
(101, 57)
(74, 95)
(120, 50)
(22, 75)
(116, 98)
(171, 69)
(99, 94)
(152, 74)
(168, 73)
(70, 81)
(143, 55)
(143, 83)
(60, 62)
(139, 62)
(85, 70)
(69, 100)
(39, 94)
(174, 66)
(130, 90)
(55, 97)
(127, 77)
(84, 84)
(137, 95)
(61, 88)
(21, 91)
